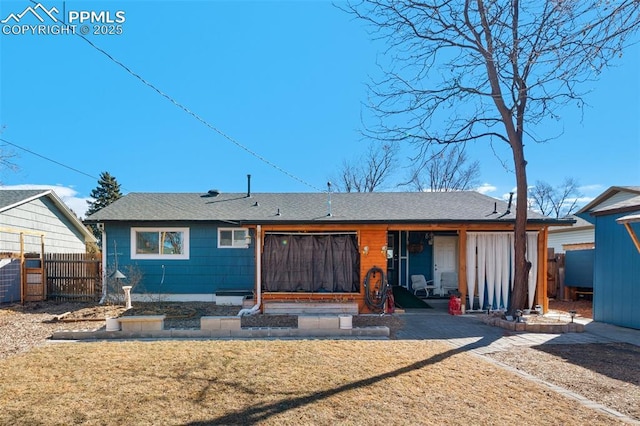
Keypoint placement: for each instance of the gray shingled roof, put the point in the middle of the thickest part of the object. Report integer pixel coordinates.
(261, 208)
(10, 197)
(601, 204)
(579, 223)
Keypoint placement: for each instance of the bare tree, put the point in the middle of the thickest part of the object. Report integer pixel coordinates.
(557, 202)
(486, 69)
(445, 170)
(6, 160)
(370, 171)
(6, 156)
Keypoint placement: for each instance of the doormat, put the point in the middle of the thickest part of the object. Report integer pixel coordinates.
(406, 300)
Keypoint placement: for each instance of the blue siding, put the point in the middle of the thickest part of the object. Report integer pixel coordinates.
(207, 270)
(421, 263)
(9, 280)
(578, 268)
(616, 293)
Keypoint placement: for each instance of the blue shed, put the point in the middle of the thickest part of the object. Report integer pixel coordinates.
(616, 277)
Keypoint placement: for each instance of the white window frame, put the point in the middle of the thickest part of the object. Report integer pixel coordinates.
(235, 244)
(185, 244)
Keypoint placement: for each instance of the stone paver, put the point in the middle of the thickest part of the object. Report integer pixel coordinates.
(469, 331)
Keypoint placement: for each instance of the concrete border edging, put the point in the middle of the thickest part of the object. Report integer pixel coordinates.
(243, 333)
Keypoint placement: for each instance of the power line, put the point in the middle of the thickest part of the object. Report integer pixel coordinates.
(48, 159)
(74, 169)
(196, 116)
(54, 161)
(179, 105)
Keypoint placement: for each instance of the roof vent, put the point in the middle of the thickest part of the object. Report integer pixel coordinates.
(508, 207)
(510, 201)
(329, 199)
(213, 193)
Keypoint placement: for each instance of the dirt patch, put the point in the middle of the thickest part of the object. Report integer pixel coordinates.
(23, 327)
(558, 314)
(181, 315)
(583, 308)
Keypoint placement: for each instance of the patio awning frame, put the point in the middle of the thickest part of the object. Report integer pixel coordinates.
(626, 221)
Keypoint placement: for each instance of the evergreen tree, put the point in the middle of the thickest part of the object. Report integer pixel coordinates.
(107, 191)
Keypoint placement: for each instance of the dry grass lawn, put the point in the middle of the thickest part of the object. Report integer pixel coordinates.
(272, 382)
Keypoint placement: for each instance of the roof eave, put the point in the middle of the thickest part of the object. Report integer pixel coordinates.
(78, 224)
(88, 235)
(333, 220)
(26, 200)
(604, 196)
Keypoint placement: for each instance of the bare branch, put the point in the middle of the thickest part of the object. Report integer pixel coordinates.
(444, 170)
(369, 172)
(465, 70)
(557, 202)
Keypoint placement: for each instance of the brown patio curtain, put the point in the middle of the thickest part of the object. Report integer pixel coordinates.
(310, 263)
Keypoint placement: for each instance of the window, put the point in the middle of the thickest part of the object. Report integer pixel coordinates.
(160, 243)
(233, 238)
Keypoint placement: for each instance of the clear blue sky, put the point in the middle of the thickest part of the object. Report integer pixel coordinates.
(284, 79)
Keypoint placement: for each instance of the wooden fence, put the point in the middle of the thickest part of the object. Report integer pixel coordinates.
(75, 276)
(556, 288)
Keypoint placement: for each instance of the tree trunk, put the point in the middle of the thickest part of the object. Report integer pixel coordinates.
(519, 292)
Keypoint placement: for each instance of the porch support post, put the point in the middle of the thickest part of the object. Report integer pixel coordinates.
(541, 285)
(462, 264)
(258, 284)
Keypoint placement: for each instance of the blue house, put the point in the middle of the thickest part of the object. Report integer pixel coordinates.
(317, 246)
(616, 277)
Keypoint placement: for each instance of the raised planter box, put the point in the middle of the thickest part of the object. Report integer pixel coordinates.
(310, 308)
(326, 322)
(138, 323)
(534, 327)
(220, 323)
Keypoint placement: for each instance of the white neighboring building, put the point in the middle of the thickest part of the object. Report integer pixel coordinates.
(40, 214)
(580, 236)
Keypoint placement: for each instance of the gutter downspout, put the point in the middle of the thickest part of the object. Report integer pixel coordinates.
(104, 264)
(256, 308)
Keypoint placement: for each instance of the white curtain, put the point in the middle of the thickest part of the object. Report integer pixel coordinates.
(505, 267)
(491, 263)
(471, 267)
(499, 262)
(491, 267)
(532, 256)
(482, 252)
